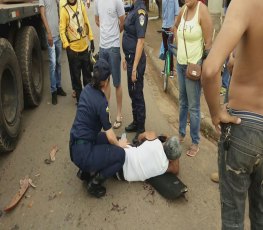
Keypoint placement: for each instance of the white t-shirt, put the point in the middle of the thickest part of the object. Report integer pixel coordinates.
(109, 12)
(145, 161)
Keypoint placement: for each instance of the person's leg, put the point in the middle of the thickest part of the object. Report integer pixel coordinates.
(183, 100)
(193, 90)
(52, 72)
(58, 47)
(104, 55)
(139, 98)
(165, 38)
(85, 63)
(115, 63)
(255, 194)
(131, 89)
(240, 153)
(75, 70)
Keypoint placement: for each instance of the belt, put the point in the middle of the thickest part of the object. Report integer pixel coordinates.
(79, 142)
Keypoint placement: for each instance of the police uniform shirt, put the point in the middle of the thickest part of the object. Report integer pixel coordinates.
(134, 27)
(92, 115)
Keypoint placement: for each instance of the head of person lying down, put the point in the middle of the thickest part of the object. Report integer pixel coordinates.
(153, 157)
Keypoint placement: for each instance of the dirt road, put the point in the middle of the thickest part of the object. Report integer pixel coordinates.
(60, 200)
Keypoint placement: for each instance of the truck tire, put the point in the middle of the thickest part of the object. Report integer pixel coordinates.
(29, 56)
(11, 97)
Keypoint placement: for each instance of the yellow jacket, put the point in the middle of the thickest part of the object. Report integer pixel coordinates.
(79, 45)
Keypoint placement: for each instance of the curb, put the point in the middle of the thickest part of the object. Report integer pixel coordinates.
(206, 126)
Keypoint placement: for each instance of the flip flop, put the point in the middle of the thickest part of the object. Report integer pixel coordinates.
(194, 149)
(117, 124)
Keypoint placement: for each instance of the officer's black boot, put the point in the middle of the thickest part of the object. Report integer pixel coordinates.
(95, 188)
(135, 139)
(131, 127)
(84, 175)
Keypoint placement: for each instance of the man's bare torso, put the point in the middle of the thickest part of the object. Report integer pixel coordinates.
(246, 87)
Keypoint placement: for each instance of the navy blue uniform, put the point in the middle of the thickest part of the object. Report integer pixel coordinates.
(89, 147)
(134, 28)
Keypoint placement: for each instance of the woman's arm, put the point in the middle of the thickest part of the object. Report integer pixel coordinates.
(206, 25)
(177, 22)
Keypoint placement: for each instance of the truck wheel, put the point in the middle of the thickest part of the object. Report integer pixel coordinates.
(29, 56)
(11, 97)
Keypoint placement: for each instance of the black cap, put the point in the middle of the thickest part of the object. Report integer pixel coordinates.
(102, 67)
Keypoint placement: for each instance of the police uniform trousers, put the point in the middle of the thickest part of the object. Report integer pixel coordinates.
(97, 156)
(136, 90)
(79, 62)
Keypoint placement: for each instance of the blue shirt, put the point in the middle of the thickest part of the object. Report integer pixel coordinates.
(170, 9)
(135, 26)
(92, 115)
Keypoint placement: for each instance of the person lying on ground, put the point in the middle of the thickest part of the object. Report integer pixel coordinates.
(151, 158)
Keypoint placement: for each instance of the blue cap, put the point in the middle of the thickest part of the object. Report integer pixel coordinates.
(102, 67)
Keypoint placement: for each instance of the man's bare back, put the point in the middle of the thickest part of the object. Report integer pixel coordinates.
(243, 30)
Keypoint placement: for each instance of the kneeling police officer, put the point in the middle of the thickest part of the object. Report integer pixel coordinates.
(99, 155)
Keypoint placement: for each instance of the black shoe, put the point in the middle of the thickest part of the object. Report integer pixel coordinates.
(131, 127)
(135, 139)
(61, 92)
(84, 175)
(96, 190)
(54, 98)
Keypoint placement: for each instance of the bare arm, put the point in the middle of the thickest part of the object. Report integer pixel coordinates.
(207, 26)
(138, 54)
(234, 26)
(113, 140)
(177, 22)
(121, 21)
(148, 135)
(44, 20)
(97, 20)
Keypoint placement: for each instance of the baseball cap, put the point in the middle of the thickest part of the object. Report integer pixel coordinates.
(102, 67)
(172, 148)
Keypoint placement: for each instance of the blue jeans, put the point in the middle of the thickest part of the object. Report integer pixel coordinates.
(113, 57)
(54, 54)
(225, 76)
(189, 101)
(240, 162)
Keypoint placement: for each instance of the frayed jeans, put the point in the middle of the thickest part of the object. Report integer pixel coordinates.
(189, 101)
(240, 162)
(54, 54)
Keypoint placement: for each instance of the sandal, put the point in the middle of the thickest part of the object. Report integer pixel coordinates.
(117, 124)
(194, 149)
(181, 138)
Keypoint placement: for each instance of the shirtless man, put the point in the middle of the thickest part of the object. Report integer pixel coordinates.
(241, 121)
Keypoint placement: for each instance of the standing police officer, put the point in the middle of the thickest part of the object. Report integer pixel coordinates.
(97, 154)
(135, 61)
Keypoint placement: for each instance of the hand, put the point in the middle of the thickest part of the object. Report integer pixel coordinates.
(92, 47)
(88, 3)
(230, 64)
(134, 77)
(50, 39)
(224, 117)
(124, 64)
(123, 143)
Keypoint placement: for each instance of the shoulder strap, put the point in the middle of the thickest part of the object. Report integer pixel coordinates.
(183, 34)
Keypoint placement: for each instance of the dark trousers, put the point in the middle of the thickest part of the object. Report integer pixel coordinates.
(165, 39)
(79, 62)
(98, 156)
(136, 90)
